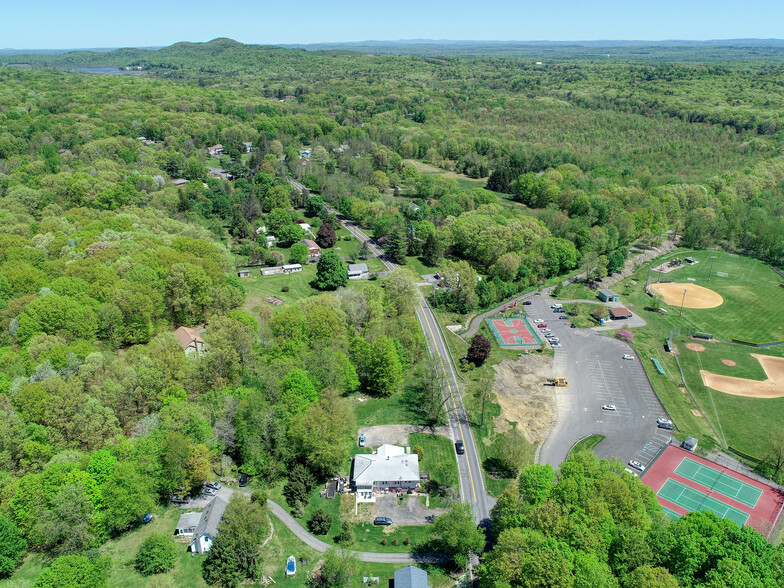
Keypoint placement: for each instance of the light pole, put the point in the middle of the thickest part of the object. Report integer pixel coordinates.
(682, 301)
(710, 271)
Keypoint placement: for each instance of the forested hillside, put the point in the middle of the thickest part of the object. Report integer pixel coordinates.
(102, 255)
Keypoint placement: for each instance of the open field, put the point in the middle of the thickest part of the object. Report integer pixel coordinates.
(438, 459)
(753, 309)
(258, 287)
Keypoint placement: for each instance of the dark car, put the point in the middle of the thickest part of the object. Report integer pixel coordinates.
(527, 303)
(459, 447)
(382, 521)
(573, 326)
(243, 480)
(179, 499)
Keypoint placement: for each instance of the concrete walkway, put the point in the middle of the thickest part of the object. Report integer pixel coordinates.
(321, 546)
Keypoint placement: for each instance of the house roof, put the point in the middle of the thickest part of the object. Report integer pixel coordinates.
(188, 520)
(211, 517)
(607, 292)
(186, 336)
(620, 311)
(411, 577)
(390, 464)
(310, 243)
(358, 267)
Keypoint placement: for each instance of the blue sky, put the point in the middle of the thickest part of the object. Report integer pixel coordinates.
(57, 24)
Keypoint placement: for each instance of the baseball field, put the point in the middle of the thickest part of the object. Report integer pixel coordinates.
(732, 393)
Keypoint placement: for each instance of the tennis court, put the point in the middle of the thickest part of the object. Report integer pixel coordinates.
(693, 500)
(719, 482)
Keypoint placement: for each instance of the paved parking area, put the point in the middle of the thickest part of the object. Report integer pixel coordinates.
(597, 374)
(396, 434)
(409, 511)
(202, 500)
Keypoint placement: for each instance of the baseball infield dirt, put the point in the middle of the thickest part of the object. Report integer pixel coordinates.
(728, 362)
(695, 346)
(696, 296)
(773, 387)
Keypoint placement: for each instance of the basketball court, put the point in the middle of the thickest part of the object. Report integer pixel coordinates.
(686, 483)
(514, 332)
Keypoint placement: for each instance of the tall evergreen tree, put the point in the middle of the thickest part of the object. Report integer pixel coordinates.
(432, 251)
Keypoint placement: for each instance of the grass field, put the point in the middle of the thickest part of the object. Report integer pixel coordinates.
(576, 291)
(587, 444)
(438, 459)
(579, 313)
(753, 309)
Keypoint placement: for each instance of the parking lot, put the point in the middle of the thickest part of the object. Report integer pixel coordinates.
(593, 365)
(409, 511)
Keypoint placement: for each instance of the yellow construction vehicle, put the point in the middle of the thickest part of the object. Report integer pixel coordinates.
(560, 382)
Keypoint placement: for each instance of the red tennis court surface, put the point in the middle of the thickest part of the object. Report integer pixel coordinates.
(513, 332)
(763, 517)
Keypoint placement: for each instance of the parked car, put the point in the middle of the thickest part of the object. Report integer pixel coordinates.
(526, 303)
(572, 326)
(608, 407)
(459, 447)
(362, 440)
(147, 518)
(179, 499)
(243, 480)
(563, 317)
(382, 521)
(209, 491)
(555, 340)
(542, 325)
(213, 485)
(555, 345)
(544, 330)
(637, 465)
(665, 424)
(627, 356)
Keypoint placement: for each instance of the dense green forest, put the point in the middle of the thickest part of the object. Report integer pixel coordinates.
(102, 257)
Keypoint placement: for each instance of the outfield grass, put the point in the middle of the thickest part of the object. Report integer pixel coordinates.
(749, 285)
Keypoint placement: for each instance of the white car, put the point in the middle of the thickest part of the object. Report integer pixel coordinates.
(628, 356)
(546, 330)
(637, 465)
(555, 345)
(608, 407)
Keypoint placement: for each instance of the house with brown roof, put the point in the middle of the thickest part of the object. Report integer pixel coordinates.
(190, 341)
(216, 150)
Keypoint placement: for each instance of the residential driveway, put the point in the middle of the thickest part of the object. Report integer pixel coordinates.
(202, 500)
(409, 511)
(397, 434)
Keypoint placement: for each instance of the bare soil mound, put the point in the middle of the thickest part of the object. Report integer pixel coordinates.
(696, 296)
(523, 397)
(728, 362)
(695, 346)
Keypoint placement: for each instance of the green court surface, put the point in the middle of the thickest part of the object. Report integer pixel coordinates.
(671, 513)
(718, 481)
(694, 500)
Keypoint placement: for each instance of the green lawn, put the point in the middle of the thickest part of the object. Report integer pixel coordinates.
(580, 313)
(576, 291)
(258, 287)
(587, 444)
(438, 459)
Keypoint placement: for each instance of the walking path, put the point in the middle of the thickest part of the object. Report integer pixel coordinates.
(321, 546)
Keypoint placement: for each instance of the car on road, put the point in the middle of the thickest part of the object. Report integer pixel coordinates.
(243, 480)
(362, 440)
(213, 485)
(608, 407)
(459, 447)
(637, 465)
(382, 521)
(627, 356)
(526, 303)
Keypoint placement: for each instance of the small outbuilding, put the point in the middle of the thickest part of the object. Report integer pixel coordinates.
(358, 271)
(244, 273)
(620, 313)
(606, 295)
(411, 577)
(689, 444)
(292, 268)
(187, 524)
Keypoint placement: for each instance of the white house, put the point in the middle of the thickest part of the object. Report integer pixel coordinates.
(215, 150)
(305, 227)
(391, 468)
(248, 146)
(207, 528)
(270, 240)
(187, 524)
(357, 271)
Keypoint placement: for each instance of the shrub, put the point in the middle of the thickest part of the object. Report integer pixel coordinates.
(625, 335)
(384, 541)
(479, 350)
(157, 554)
(284, 289)
(320, 522)
(346, 535)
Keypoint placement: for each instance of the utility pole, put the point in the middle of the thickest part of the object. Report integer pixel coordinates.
(682, 301)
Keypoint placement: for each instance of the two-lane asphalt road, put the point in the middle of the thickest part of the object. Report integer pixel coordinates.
(472, 488)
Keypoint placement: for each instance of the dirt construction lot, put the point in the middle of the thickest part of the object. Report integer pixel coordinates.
(397, 434)
(519, 388)
(773, 387)
(696, 296)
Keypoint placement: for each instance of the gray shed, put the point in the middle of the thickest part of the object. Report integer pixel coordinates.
(689, 444)
(606, 295)
(411, 577)
(187, 523)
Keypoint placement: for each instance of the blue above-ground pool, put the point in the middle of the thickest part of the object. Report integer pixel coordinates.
(291, 566)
